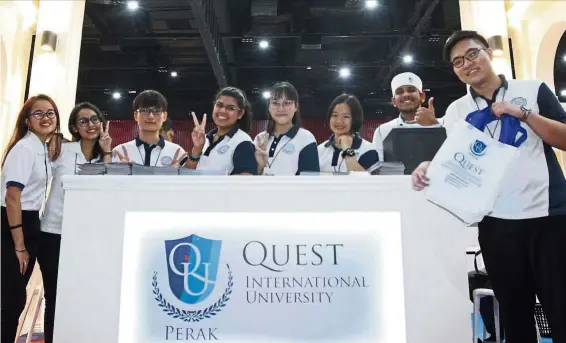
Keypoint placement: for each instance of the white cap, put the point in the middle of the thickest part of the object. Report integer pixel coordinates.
(406, 79)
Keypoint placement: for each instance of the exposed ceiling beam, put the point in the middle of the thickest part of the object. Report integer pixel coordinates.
(99, 23)
(205, 21)
(387, 34)
(417, 22)
(328, 67)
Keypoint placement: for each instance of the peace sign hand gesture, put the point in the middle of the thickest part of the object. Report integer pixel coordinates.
(198, 134)
(105, 140)
(261, 155)
(124, 158)
(177, 159)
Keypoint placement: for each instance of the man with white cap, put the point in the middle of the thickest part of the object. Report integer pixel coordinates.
(408, 97)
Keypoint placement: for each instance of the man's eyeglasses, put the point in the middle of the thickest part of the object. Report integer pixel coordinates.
(472, 54)
(221, 106)
(285, 104)
(146, 111)
(83, 122)
(40, 114)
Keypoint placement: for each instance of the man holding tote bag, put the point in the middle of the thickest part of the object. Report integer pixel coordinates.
(523, 236)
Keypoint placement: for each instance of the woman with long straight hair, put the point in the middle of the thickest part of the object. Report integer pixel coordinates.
(91, 144)
(285, 148)
(26, 171)
(228, 147)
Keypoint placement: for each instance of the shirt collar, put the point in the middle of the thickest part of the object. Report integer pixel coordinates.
(34, 139)
(160, 143)
(231, 133)
(292, 132)
(504, 85)
(356, 143)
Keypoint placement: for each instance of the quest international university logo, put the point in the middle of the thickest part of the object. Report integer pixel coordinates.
(477, 148)
(192, 269)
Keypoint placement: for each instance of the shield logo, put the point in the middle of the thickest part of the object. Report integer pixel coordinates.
(478, 148)
(192, 267)
(223, 149)
(166, 160)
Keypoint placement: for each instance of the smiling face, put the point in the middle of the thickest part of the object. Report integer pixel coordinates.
(408, 99)
(341, 120)
(476, 68)
(282, 110)
(226, 112)
(42, 119)
(88, 125)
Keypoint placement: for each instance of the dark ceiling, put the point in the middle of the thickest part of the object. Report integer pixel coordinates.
(212, 43)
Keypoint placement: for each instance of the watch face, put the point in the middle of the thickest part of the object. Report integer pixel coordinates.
(350, 152)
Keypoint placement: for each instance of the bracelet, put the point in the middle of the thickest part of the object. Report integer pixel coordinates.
(194, 159)
(104, 153)
(16, 227)
(20, 250)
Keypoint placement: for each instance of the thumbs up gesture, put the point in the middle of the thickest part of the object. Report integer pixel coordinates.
(425, 116)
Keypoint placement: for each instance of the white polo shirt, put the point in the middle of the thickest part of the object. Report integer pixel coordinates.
(331, 159)
(71, 156)
(536, 186)
(291, 153)
(28, 168)
(384, 129)
(158, 155)
(233, 153)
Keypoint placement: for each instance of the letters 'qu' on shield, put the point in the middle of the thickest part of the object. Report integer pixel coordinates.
(192, 267)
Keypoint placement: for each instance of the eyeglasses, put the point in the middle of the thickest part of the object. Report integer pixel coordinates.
(146, 111)
(472, 54)
(221, 106)
(83, 122)
(40, 115)
(277, 104)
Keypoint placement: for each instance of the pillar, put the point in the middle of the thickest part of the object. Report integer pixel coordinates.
(17, 26)
(489, 19)
(56, 73)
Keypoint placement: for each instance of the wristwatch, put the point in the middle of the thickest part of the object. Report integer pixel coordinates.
(526, 113)
(348, 153)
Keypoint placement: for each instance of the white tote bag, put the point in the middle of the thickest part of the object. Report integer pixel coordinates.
(467, 172)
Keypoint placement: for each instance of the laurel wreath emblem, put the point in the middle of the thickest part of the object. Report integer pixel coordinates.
(192, 316)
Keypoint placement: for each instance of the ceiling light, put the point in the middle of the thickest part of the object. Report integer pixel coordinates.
(344, 72)
(132, 92)
(563, 92)
(174, 74)
(371, 4)
(116, 95)
(266, 95)
(407, 59)
(133, 5)
(264, 44)
(309, 67)
(564, 58)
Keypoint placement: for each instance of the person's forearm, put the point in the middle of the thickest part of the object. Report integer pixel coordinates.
(550, 131)
(14, 211)
(353, 165)
(195, 152)
(107, 158)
